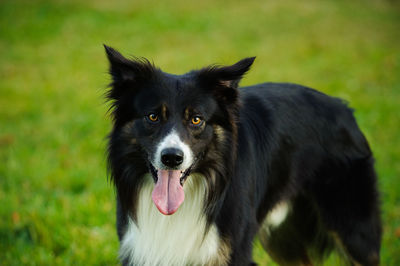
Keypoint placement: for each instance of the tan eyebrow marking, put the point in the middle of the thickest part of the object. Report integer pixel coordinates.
(187, 113)
(164, 112)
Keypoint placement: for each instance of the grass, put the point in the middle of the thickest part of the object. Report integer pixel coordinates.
(56, 206)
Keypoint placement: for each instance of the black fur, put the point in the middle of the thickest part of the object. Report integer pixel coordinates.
(279, 142)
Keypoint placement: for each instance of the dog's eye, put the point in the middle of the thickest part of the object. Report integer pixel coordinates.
(196, 120)
(153, 117)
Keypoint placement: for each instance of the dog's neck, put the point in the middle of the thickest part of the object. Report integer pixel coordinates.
(179, 239)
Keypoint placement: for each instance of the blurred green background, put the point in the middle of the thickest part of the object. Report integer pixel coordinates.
(56, 206)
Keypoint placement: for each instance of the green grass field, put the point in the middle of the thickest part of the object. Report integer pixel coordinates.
(56, 205)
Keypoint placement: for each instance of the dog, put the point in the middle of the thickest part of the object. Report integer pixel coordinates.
(202, 166)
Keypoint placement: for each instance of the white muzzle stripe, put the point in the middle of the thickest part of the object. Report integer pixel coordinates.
(172, 140)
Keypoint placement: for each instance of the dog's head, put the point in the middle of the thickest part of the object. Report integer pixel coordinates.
(171, 125)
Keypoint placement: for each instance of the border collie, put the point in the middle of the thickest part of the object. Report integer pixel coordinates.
(201, 167)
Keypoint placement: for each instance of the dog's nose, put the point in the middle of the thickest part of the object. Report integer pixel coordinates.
(172, 157)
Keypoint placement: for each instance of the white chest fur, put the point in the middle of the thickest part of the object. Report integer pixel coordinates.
(178, 239)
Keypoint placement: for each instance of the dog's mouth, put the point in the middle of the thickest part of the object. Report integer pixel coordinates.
(183, 174)
(168, 192)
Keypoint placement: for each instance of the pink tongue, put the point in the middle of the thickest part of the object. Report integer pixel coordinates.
(168, 193)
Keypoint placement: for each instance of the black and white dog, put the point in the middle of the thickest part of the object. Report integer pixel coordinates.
(201, 167)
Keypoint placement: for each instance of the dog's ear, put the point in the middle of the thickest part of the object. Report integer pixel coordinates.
(224, 80)
(123, 69)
